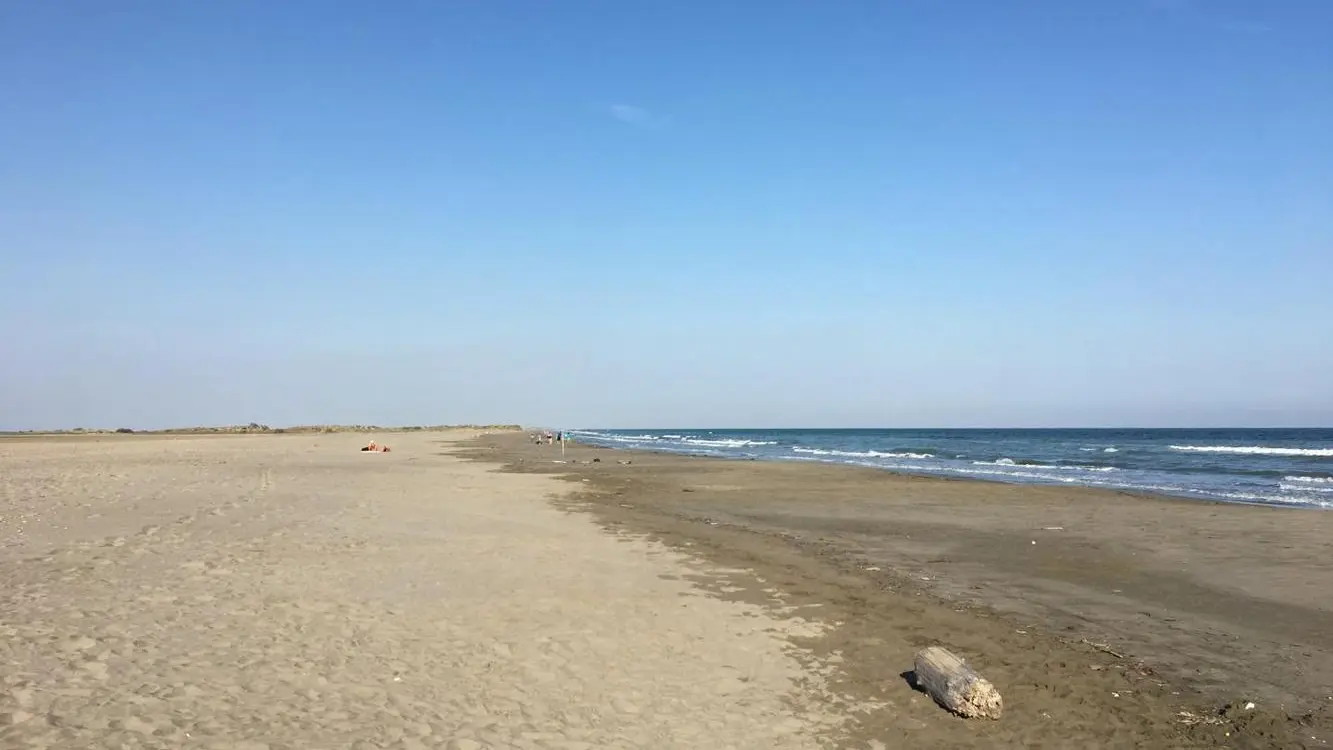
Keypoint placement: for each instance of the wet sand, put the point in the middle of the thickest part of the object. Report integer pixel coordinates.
(1105, 619)
(289, 591)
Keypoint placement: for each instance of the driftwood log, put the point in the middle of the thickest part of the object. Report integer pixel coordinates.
(956, 686)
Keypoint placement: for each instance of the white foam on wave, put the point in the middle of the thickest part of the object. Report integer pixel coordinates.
(1242, 497)
(726, 442)
(1112, 449)
(1309, 480)
(1255, 450)
(613, 438)
(1297, 487)
(1247, 497)
(1041, 467)
(858, 454)
(1016, 474)
(671, 438)
(1020, 474)
(1289, 500)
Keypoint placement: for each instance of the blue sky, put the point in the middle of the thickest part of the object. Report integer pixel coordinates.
(910, 213)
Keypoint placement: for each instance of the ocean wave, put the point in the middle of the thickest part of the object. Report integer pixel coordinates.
(1215, 494)
(1310, 480)
(1258, 450)
(858, 454)
(1247, 497)
(1255, 499)
(1019, 472)
(726, 442)
(668, 439)
(613, 438)
(1291, 500)
(1041, 467)
(1299, 487)
(1112, 449)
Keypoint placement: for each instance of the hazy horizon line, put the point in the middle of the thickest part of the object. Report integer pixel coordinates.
(919, 429)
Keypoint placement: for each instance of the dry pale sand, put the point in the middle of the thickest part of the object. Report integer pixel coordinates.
(288, 591)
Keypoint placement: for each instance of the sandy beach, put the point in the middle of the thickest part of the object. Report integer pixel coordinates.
(474, 591)
(1107, 619)
(289, 591)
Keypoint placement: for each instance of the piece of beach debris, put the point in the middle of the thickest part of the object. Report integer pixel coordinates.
(624, 463)
(597, 460)
(956, 686)
(1102, 647)
(1192, 719)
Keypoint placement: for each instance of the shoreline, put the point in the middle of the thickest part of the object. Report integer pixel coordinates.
(1146, 495)
(1202, 496)
(1211, 604)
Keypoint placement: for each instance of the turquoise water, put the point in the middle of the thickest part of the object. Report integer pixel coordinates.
(1288, 467)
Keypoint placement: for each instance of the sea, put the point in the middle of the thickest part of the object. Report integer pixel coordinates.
(1281, 467)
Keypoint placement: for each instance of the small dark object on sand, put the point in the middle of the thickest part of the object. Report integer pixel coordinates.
(597, 460)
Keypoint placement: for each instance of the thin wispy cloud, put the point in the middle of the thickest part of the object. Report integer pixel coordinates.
(636, 116)
(1198, 13)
